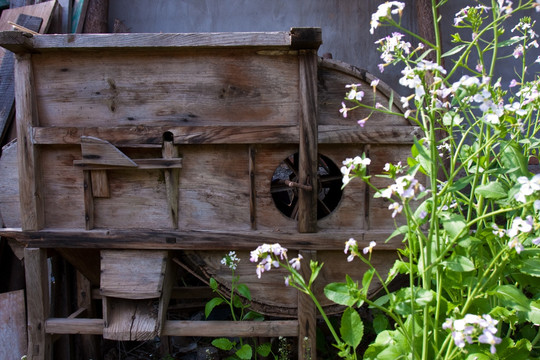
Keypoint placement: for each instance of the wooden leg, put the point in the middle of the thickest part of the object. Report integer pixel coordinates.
(307, 316)
(37, 295)
(89, 347)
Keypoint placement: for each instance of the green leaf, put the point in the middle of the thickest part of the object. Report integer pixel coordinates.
(366, 280)
(402, 230)
(459, 264)
(213, 284)
(223, 344)
(391, 101)
(513, 160)
(352, 328)
(493, 190)
(264, 349)
(245, 352)
(454, 50)
(253, 315)
(531, 267)
(237, 302)
(511, 296)
(211, 305)
(533, 315)
(423, 297)
(453, 223)
(380, 323)
(244, 291)
(339, 293)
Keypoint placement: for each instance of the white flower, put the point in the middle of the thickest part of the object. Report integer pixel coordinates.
(528, 187)
(369, 249)
(519, 225)
(488, 338)
(397, 207)
(344, 110)
(498, 231)
(350, 245)
(518, 51)
(385, 10)
(295, 263)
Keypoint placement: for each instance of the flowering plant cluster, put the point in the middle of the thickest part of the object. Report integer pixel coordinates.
(468, 196)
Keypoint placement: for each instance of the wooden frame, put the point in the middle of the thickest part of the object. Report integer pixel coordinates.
(110, 136)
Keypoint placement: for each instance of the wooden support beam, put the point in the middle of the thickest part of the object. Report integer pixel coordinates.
(271, 328)
(32, 215)
(37, 294)
(307, 314)
(252, 189)
(197, 240)
(172, 178)
(308, 150)
(88, 200)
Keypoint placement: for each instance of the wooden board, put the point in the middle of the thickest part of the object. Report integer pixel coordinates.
(132, 274)
(9, 186)
(7, 81)
(43, 10)
(12, 325)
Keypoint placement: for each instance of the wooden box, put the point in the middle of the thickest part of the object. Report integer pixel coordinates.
(198, 142)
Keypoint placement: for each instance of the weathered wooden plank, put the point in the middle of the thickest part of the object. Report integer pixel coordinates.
(141, 164)
(37, 298)
(149, 135)
(252, 188)
(43, 10)
(96, 17)
(307, 314)
(308, 153)
(100, 184)
(7, 81)
(152, 135)
(88, 197)
(197, 240)
(132, 274)
(184, 328)
(32, 215)
(13, 340)
(9, 186)
(172, 177)
(130, 320)
(277, 39)
(96, 151)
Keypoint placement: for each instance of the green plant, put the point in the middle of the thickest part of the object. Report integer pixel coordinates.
(469, 202)
(238, 311)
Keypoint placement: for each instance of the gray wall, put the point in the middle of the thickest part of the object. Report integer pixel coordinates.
(345, 24)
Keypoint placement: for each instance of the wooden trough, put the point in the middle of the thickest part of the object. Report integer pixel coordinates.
(159, 147)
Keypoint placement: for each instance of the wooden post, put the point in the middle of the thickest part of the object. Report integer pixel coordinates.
(32, 217)
(172, 177)
(89, 348)
(307, 315)
(252, 189)
(37, 300)
(308, 161)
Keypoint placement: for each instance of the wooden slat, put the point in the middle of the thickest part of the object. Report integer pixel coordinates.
(184, 328)
(172, 177)
(132, 274)
(141, 164)
(182, 134)
(129, 320)
(78, 15)
(278, 39)
(252, 189)
(32, 215)
(12, 325)
(308, 158)
(7, 85)
(198, 240)
(88, 200)
(307, 314)
(37, 294)
(137, 136)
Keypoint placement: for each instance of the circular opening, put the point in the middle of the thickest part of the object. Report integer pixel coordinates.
(286, 197)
